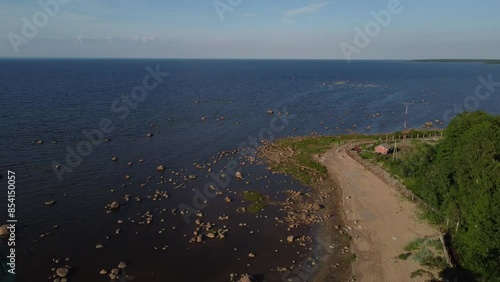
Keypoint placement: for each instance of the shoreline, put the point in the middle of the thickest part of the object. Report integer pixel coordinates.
(371, 223)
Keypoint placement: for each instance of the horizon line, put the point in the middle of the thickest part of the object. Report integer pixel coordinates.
(260, 59)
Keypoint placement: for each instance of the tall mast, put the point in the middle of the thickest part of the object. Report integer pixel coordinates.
(406, 113)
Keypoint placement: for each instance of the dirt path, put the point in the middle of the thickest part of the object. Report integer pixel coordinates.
(383, 223)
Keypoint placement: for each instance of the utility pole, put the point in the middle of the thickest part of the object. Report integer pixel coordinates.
(406, 104)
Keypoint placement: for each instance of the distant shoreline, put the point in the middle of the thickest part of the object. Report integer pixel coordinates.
(483, 61)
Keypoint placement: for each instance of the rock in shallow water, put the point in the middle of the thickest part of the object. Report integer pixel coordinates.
(3, 230)
(115, 205)
(246, 278)
(62, 272)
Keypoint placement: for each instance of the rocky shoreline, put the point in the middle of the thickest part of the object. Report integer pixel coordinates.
(320, 208)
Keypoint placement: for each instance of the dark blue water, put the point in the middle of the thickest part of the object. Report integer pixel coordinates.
(56, 100)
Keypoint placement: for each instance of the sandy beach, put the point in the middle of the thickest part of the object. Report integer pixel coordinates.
(382, 222)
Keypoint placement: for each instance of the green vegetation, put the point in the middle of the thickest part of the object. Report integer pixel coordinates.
(414, 245)
(354, 257)
(427, 253)
(418, 273)
(258, 201)
(404, 256)
(460, 178)
(302, 165)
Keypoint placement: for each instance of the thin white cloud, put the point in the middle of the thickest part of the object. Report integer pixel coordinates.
(311, 8)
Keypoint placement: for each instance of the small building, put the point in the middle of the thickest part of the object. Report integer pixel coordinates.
(384, 149)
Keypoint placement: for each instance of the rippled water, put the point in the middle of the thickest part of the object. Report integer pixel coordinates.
(56, 100)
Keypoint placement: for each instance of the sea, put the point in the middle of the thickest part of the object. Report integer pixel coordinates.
(63, 121)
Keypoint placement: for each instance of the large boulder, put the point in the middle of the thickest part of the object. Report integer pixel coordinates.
(239, 176)
(62, 272)
(428, 124)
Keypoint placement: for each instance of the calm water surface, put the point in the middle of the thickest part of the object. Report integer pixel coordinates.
(57, 100)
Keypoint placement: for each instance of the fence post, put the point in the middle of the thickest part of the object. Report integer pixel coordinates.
(445, 250)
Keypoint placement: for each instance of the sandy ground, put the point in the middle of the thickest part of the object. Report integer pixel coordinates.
(383, 223)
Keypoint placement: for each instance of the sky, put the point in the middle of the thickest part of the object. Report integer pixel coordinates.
(256, 29)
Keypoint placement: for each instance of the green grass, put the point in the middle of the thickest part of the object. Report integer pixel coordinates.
(414, 245)
(404, 256)
(302, 165)
(367, 155)
(435, 262)
(253, 196)
(305, 168)
(418, 273)
(256, 207)
(423, 251)
(354, 257)
(258, 201)
(422, 256)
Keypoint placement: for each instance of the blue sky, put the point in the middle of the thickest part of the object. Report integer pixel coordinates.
(285, 29)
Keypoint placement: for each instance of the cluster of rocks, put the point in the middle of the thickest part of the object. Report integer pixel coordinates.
(431, 124)
(60, 274)
(299, 210)
(115, 273)
(207, 230)
(243, 278)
